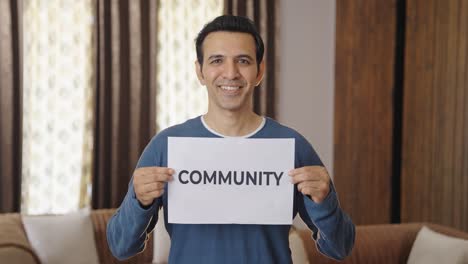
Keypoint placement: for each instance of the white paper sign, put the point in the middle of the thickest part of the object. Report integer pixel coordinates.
(230, 181)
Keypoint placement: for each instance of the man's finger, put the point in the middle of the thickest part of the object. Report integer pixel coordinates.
(313, 192)
(154, 186)
(310, 176)
(150, 178)
(145, 171)
(309, 191)
(316, 185)
(153, 195)
(305, 169)
(154, 169)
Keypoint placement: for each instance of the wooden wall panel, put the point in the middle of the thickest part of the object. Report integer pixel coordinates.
(434, 183)
(364, 86)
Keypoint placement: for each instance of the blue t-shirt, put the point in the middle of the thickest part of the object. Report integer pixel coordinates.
(129, 227)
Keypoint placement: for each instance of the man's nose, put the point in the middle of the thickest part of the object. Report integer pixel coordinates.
(231, 70)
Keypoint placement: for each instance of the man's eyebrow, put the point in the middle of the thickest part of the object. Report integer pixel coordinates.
(241, 56)
(244, 56)
(215, 56)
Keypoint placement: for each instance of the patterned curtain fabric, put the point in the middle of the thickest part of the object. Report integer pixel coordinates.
(125, 111)
(10, 105)
(58, 76)
(180, 95)
(264, 14)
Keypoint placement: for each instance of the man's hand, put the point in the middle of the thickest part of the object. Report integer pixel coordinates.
(313, 181)
(149, 182)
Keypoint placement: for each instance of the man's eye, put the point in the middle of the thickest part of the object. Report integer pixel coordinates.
(216, 61)
(244, 61)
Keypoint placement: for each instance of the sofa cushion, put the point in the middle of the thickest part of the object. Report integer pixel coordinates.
(432, 247)
(162, 241)
(298, 252)
(62, 238)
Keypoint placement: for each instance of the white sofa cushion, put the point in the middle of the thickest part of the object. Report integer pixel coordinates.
(59, 239)
(298, 252)
(432, 247)
(161, 241)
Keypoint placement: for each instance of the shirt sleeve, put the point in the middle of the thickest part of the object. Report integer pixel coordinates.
(333, 230)
(128, 229)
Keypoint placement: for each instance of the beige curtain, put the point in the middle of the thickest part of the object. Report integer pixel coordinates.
(125, 96)
(10, 105)
(264, 13)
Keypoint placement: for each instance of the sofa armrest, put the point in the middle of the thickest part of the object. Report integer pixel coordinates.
(100, 218)
(14, 254)
(386, 243)
(14, 244)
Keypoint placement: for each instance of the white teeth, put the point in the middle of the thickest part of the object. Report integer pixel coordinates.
(230, 88)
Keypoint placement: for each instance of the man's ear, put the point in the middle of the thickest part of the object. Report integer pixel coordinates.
(198, 69)
(261, 73)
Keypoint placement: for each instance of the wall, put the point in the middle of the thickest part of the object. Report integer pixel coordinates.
(306, 72)
(391, 119)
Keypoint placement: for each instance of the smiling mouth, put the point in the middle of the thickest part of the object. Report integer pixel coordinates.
(229, 88)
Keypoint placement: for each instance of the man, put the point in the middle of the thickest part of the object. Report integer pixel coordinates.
(230, 64)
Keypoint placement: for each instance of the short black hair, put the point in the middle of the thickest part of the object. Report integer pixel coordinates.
(232, 24)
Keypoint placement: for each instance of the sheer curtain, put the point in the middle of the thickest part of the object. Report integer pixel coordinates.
(180, 95)
(57, 117)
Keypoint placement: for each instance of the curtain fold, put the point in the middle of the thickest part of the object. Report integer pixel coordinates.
(10, 105)
(125, 110)
(264, 13)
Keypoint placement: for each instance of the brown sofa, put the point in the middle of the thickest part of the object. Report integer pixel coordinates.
(385, 243)
(381, 244)
(15, 248)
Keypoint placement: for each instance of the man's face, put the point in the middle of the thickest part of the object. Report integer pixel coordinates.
(229, 70)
